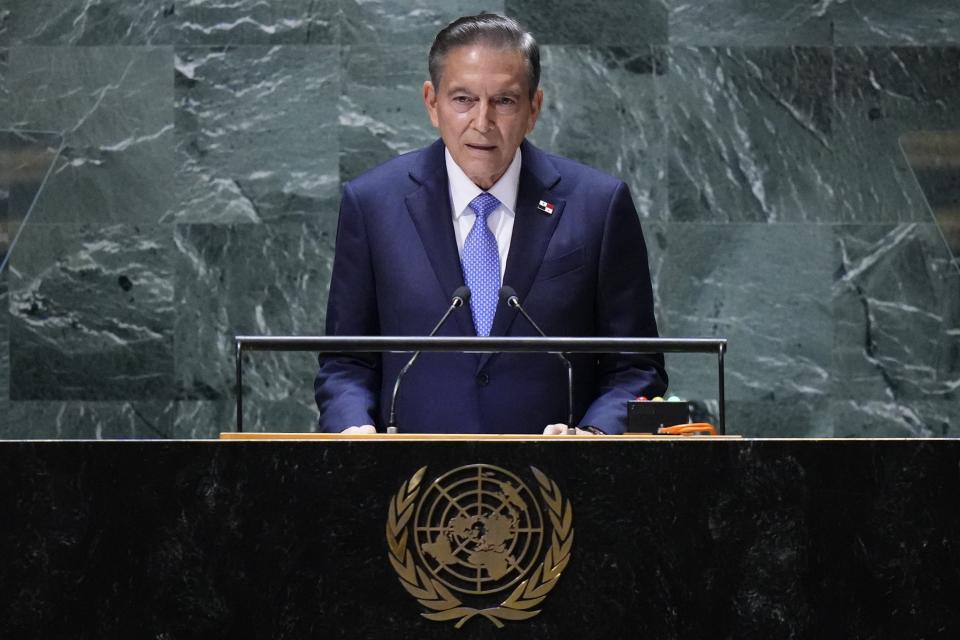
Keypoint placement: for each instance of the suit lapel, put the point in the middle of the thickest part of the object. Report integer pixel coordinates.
(532, 230)
(429, 206)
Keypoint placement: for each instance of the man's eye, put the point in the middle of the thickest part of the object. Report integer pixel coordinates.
(505, 100)
(461, 99)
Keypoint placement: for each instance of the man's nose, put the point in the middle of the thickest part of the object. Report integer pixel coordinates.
(482, 118)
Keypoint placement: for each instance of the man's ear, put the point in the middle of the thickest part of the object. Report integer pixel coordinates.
(430, 102)
(535, 105)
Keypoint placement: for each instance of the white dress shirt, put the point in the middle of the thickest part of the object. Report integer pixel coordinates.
(463, 191)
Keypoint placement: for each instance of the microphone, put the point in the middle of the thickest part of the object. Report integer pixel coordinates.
(509, 297)
(460, 297)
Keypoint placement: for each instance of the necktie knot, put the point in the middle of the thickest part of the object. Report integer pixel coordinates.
(484, 204)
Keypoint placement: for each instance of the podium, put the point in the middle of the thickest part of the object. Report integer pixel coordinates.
(658, 538)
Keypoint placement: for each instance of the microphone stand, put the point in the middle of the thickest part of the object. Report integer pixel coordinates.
(460, 297)
(514, 302)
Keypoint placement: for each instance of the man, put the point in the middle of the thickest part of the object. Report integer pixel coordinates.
(485, 208)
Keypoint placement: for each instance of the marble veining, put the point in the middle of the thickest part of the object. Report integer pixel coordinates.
(896, 314)
(4, 342)
(256, 135)
(617, 130)
(878, 418)
(776, 318)
(381, 111)
(69, 420)
(91, 311)
(254, 22)
(243, 280)
(612, 22)
(889, 22)
(404, 22)
(751, 135)
(4, 75)
(774, 23)
(87, 22)
(882, 93)
(113, 106)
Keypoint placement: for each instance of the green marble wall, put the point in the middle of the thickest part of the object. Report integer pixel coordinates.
(206, 141)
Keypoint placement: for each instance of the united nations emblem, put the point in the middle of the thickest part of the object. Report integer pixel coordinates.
(481, 543)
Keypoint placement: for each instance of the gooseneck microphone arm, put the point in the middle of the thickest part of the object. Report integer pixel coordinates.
(460, 297)
(509, 296)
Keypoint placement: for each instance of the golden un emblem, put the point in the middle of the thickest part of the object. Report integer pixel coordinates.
(475, 542)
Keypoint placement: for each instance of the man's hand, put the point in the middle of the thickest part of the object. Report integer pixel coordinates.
(362, 429)
(560, 429)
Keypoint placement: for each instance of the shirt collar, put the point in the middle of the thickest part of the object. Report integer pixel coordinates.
(463, 190)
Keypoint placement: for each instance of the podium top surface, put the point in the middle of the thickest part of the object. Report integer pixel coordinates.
(458, 437)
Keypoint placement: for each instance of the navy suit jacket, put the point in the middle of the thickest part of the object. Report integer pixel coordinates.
(580, 271)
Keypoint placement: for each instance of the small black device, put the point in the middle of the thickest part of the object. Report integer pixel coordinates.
(647, 416)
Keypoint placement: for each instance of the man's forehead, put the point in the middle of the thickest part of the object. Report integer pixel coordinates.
(472, 64)
(507, 86)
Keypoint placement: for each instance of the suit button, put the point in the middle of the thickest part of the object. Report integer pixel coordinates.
(483, 379)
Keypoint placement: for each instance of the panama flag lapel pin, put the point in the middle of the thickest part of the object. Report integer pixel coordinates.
(546, 207)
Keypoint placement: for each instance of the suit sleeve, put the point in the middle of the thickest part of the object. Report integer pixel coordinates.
(624, 308)
(347, 385)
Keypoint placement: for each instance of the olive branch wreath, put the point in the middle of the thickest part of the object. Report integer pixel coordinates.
(432, 594)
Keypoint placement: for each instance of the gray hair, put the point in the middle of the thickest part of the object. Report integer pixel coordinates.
(489, 29)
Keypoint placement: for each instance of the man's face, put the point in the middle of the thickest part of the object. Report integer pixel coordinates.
(483, 109)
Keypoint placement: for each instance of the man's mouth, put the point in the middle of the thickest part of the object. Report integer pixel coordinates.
(482, 147)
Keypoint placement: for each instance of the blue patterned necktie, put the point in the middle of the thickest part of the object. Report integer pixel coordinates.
(481, 265)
